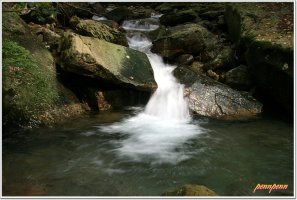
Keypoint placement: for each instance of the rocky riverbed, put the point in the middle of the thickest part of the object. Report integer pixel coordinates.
(226, 44)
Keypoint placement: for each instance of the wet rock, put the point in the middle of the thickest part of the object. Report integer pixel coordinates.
(185, 59)
(172, 19)
(190, 190)
(118, 14)
(98, 30)
(98, 59)
(239, 78)
(184, 39)
(210, 98)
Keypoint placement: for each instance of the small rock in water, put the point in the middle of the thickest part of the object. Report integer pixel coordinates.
(190, 190)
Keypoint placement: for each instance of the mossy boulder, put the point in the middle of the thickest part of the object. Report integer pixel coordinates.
(263, 32)
(98, 30)
(190, 190)
(98, 59)
(32, 94)
(211, 98)
(184, 39)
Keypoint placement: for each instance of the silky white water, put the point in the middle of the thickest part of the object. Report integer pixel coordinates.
(160, 131)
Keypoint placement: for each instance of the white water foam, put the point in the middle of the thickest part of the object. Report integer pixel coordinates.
(160, 131)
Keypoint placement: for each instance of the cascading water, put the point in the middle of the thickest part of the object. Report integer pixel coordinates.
(159, 132)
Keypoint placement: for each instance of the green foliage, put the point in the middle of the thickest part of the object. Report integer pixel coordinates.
(27, 89)
(44, 11)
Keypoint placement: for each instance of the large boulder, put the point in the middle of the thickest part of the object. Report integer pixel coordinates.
(98, 59)
(264, 35)
(190, 190)
(32, 95)
(184, 39)
(210, 98)
(98, 30)
(172, 19)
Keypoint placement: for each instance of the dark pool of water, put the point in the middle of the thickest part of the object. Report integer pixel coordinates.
(78, 158)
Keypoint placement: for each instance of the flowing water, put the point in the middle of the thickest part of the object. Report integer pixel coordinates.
(147, 150)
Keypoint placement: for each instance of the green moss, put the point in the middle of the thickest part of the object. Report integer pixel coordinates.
(27, 89)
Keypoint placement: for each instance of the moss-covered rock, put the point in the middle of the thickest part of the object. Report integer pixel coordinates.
(31, 93)
(184, 39)
(98, 30)
(190, 190)
(98, 59)
(263, 33)
(270, 22)
(210, 98)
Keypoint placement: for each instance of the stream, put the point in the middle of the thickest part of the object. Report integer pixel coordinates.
(148, 149)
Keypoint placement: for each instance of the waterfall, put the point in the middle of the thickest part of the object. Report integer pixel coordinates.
(164, 125)
(167, 102)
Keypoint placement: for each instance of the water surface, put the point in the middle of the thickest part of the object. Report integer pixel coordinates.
(84, 158)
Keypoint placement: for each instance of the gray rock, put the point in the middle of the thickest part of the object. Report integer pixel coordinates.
(210, 98)
(98, 59)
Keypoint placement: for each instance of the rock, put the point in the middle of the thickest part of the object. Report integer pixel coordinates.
(97, 8)
(213, 75)
(98, 59)
(32, 95)
(190, 190)
(184, 39)
(266, 38)
(140, 12)
(49, 37)
(221, 21)
(211, 15)
(118, 14)
(70, 9)
(98, 30)
(172, 19)
(197, 67)
(223, 57)
(210, 98)
(272, 70)
(185, 59)
(261, 22)
(239, 78)
(171, 6)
